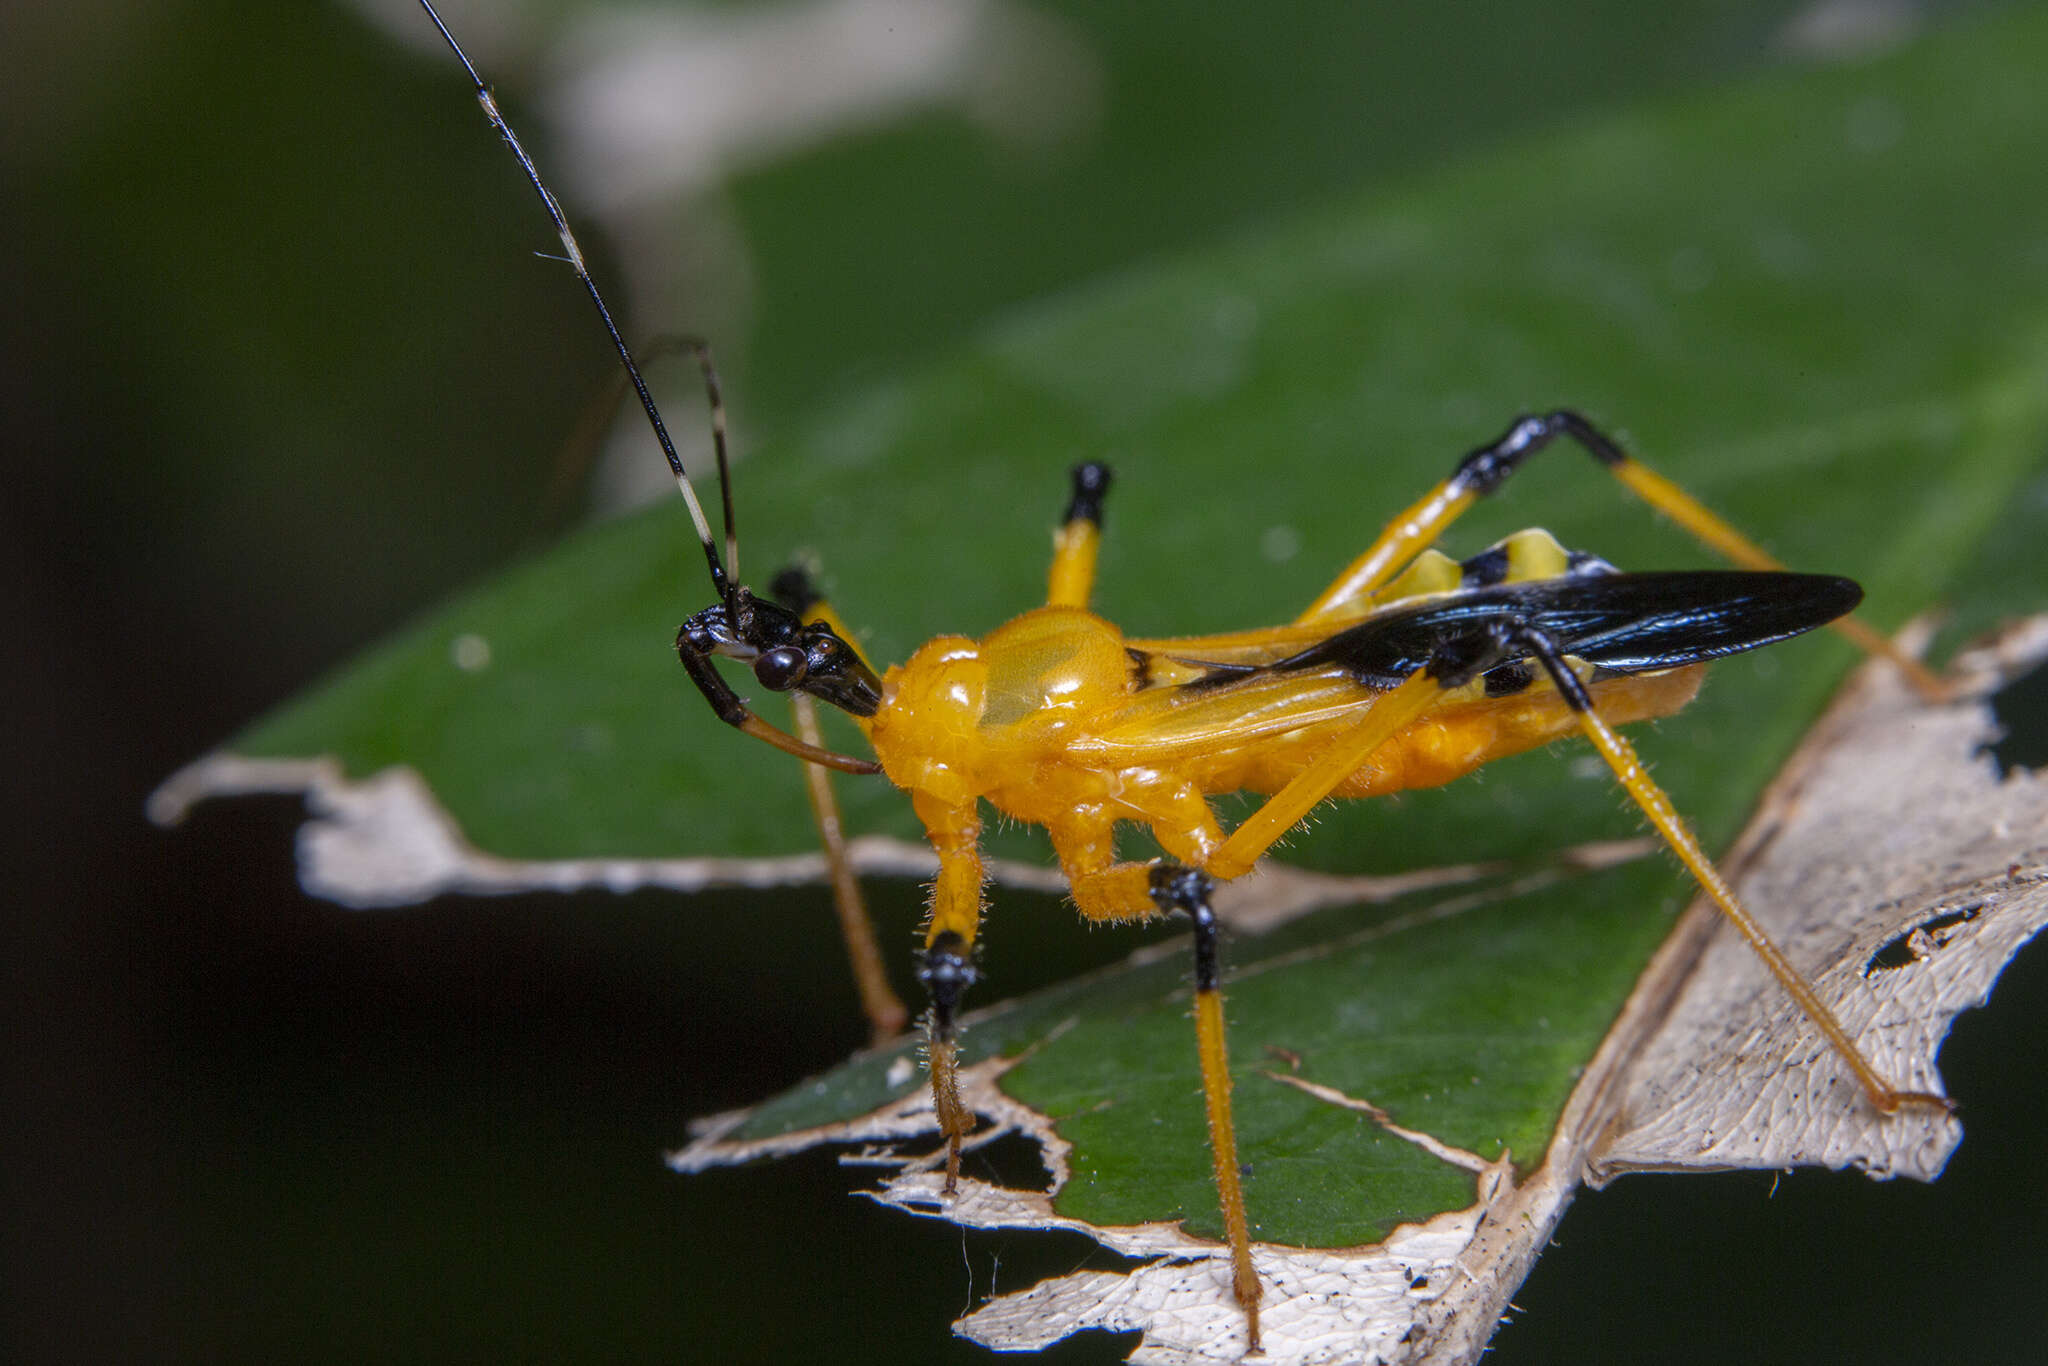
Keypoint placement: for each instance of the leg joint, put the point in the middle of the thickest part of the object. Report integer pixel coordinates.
(725, 703)
(1487, 468)
(1177, 887)
(1569, 685)
(947, 971)
(1091, 486)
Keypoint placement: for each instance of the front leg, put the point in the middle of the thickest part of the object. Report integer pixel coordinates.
(947, 968)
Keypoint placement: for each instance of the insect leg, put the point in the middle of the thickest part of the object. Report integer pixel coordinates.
(1621, 757)
(1485, 469)
(1085, 841)
(1282, 811)
(947, 969)
(1177, 888)
(886, 1013)
(1079, 537)
(1104, 890)
(878, 1000)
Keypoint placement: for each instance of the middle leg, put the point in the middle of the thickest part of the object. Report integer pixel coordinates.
(1106, 890)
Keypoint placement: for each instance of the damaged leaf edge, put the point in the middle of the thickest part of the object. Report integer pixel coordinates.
(386, 840)
(1433, 1290)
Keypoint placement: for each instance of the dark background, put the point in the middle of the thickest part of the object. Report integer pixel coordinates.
(251, 428)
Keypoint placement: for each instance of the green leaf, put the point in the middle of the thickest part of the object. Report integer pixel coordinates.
(1460, 1017)
(1820, 301)
(1773, 319)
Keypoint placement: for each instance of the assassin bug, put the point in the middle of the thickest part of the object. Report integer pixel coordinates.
(1409, 670)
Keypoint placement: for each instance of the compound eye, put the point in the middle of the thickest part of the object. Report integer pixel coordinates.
(782, 668)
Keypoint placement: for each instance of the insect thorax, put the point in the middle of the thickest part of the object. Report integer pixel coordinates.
(963, 718)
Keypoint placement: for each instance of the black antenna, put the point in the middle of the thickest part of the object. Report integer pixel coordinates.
(716, 395)
(719, 581)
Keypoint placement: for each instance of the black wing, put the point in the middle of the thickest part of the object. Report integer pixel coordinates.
(1622, 623)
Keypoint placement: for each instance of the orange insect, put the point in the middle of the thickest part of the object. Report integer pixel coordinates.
(1411, 669)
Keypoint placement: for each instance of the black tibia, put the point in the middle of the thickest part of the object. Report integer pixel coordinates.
(785, 652)
(1483, 470)
(947, 970)
(1621, 623)
(1176, 887)
(1091, 485)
